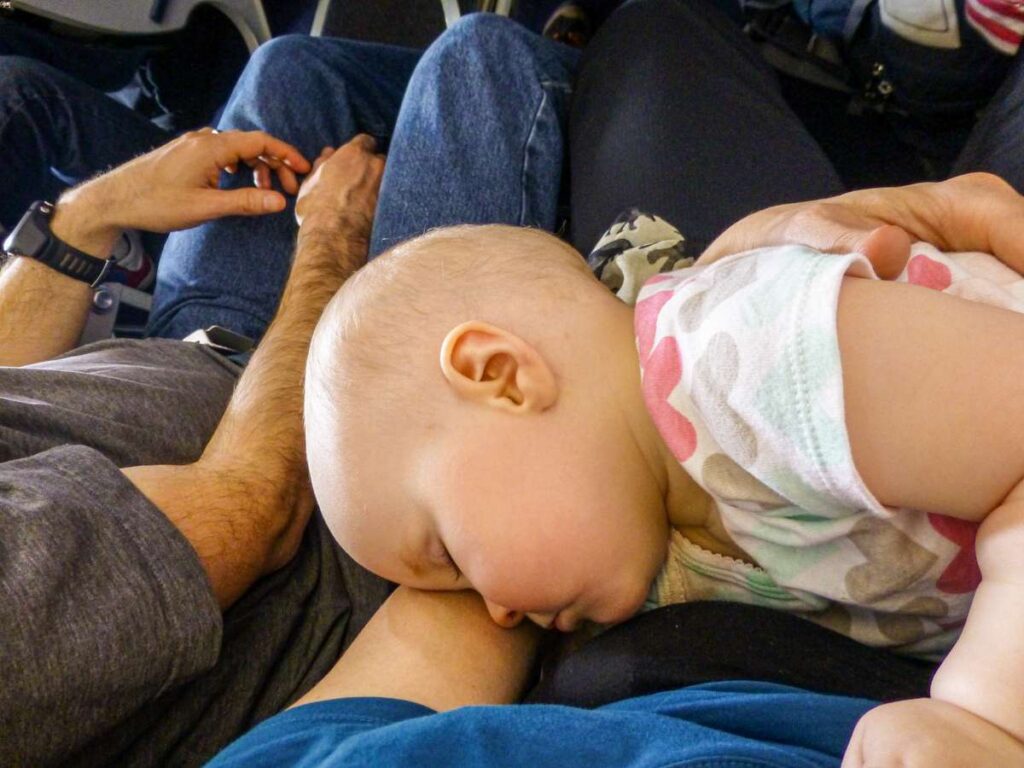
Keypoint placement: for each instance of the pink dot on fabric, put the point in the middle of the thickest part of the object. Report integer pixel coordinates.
(645, 321)
(662, 374)
(928, 273)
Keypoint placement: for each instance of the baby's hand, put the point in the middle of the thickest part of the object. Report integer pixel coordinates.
(928, 733)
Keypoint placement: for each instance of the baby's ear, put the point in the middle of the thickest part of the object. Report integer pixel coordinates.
(491, 366)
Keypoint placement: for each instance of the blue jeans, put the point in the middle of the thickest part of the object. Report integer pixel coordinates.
(473, 128)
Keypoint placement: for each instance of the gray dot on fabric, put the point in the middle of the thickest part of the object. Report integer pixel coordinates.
(715, 376)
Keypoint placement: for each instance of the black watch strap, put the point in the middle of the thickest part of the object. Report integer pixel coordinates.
(32, 238)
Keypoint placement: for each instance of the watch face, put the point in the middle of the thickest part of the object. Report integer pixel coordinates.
(28, 241)
(28, 238)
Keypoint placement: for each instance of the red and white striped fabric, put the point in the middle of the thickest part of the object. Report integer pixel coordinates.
(1000, 22)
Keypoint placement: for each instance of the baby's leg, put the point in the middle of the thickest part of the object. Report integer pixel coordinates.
(934, 391)
(934, 394)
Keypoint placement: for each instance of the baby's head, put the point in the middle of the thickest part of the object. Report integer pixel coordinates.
(474, 391)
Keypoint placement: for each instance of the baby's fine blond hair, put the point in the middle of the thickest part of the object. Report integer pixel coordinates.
(400, 305)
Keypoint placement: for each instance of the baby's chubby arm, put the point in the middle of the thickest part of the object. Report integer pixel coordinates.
(975, 718)
(935, 413)
(984, 673)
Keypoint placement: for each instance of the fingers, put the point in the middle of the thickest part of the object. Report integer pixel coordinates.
(993, 222)
(266, 162)
(973, 212)
(363, 141)
(235, 146)
(264, 167)
(288, 179)
(260, 175)
(888, 249)
(833, 228)
(263, 153)
(240, 202)
(343, 179)
(830, 226)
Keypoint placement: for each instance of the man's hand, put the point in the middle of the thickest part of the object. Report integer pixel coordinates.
(974, 212)
(925, 733)
(176, 187)
(343, 185)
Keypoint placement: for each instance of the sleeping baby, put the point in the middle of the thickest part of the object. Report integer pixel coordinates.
(778, 427)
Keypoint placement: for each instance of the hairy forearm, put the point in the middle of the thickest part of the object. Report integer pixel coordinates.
(221, 514)
(264, 417)
(439, 649)
(42, 312)
(244, 504)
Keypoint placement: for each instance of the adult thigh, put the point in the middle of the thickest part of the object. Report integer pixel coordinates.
(677, 114)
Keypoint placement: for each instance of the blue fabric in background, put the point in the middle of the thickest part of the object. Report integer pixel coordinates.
(726, 725)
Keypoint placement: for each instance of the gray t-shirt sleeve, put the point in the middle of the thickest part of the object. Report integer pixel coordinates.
(103, 604)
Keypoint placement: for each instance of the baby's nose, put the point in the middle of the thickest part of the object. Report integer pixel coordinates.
(502, 616)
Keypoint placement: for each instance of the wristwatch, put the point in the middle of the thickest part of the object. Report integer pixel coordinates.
(32, 238)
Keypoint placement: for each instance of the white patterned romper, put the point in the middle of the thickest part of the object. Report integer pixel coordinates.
(741, 373)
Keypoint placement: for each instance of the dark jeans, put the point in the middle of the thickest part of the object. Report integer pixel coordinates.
(103, 65)
(52, 122)
(56, 123)
(676, 113)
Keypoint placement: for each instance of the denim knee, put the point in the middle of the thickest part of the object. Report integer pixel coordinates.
(291, 80)
(283, 62)
(479, 45)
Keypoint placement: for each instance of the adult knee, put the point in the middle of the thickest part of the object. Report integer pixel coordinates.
(287, 83)
(279, 66)
(479, 44)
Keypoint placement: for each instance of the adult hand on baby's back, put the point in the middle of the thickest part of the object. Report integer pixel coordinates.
(973, 212)
(928, 733)
(343, 187)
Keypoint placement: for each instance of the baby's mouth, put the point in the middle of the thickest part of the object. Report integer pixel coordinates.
(543, 620)
(564, 622)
